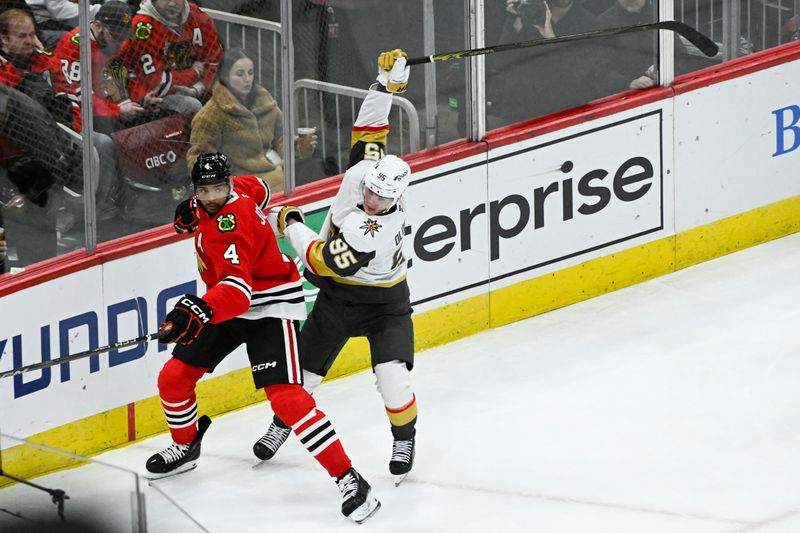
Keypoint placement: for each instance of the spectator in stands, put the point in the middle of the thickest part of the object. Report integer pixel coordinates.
(243, 121)
(54, 18)
(113, 109)
(32, 72)
(173, 56)
(546, 79)
(630, 59)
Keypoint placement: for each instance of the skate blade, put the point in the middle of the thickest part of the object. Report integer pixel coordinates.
(180, 470)
(399, 479)
(365, 510)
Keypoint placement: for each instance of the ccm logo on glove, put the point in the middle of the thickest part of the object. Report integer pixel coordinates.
(185, 322)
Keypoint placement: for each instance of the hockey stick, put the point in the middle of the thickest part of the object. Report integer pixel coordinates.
(82, 355)
(703, 43)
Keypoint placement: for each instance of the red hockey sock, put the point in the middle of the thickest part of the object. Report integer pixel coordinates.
(176, 383)
(296, 408)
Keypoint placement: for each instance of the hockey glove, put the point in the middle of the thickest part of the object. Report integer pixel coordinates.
(186, 320)
(280, 215)
(392, 71)
(186, 218)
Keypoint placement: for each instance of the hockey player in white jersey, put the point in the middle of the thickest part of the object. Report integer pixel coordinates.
(358, 264)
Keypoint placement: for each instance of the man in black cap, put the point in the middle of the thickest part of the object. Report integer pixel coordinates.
(110, 27)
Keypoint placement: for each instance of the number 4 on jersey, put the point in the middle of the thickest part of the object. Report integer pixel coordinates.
(231, 254)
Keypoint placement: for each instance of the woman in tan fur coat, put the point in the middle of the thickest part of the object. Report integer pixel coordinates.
(242, 120)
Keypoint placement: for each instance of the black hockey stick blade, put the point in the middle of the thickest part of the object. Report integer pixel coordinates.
(703, 43)
(82, 355)
(700, 41)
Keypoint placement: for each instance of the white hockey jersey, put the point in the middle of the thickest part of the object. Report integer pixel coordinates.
(356, 249)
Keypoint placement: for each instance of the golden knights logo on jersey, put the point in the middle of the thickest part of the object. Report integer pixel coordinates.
(226, 222)
(371, 227)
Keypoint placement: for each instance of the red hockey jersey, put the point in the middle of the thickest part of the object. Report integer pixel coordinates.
(44, 64)
(161, 56)
(239, 260)
(109, 75)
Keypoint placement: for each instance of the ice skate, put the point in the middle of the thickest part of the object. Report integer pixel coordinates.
(267, 446)
(402, 459)
(358, 503)
(178, 458)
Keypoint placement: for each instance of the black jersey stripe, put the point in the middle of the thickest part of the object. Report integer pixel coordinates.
(298, 300)
(238, 283)
(283, 292)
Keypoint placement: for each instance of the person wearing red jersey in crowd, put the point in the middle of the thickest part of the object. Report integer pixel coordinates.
(173, 56)
(113, 109)
(31, 70)
(35, 73)
(254, 297)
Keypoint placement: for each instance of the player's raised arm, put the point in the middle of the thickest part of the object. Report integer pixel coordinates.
(371, 128)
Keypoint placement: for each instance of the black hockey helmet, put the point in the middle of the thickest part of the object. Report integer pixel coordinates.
(211, 168)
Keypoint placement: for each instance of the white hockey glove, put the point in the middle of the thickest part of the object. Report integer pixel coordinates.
(393, 71)
(280, 215)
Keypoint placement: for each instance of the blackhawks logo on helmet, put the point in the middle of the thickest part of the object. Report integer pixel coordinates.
(143, 30)
(226, 223)
(371, 227)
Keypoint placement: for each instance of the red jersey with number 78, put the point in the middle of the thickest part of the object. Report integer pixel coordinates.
(239, 260)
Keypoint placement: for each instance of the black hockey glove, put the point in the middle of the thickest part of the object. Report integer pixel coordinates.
(186, 219)
(186, 320)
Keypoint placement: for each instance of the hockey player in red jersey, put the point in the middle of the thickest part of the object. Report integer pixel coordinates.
(358, 264)
(109, 29)
(174, 53)
(254, 297)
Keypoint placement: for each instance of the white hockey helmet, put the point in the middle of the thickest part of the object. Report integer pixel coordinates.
(388, 178)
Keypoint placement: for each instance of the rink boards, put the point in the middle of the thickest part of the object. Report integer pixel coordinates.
(540, 215)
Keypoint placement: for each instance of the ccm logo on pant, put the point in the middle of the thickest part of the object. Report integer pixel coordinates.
(264, 366)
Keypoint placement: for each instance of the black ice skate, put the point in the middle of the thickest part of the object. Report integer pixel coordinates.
(267, 446)
(402, 459)
(358, 503)
(178, 458)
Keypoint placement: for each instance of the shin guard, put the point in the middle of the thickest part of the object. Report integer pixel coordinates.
(176, 387)
(393, 380)
(297, 409)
